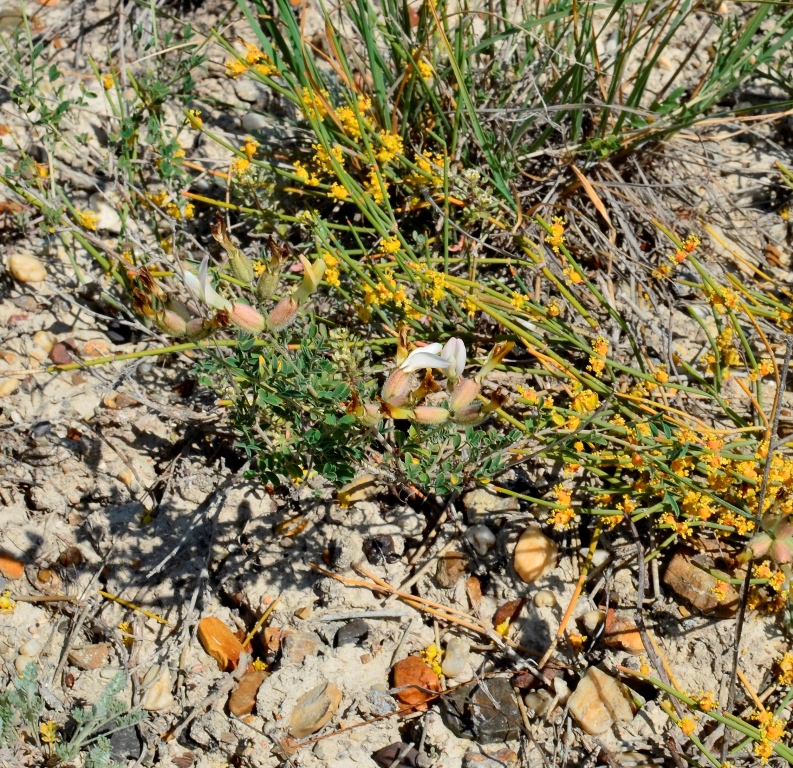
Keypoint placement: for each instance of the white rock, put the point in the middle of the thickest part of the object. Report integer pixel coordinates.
(545, 599)
(455, 658)
(590, 621)
(26, 268)
(158, 696)
(481, 538)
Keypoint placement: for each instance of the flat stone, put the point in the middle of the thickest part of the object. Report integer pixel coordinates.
(125, 744)
(298, 646)
(10, 567)
(485, 711)
(313, 710)
(91, 656)
(598, 702)
(694, 585)
(479, 758)
(450, 569)
(480, 502)
(620, 632)
(243, 697)
(386, 756)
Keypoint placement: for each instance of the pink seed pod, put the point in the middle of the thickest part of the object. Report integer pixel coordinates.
(369, 414)
(398, 387)
(463, 394)
(170, 322)
(430, 414)
(470, 415)
(781, 551)
(283, 314)
(246, 317)
(760, 545)
(198, 329)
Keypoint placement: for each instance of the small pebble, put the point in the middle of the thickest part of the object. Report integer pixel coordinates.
(539, 702)
(326, 750)
(386, 756)
(455, 658)
(481, 538)
(8, 386)
(11, 568)
(20, 662)
(591, 621)
(44, 340)
(127, 476)
(535, 555)
(379, 549)
(561, 689)
(545, 599)
(31, 648)
(158, 696)
(90, 657)
(26, 268)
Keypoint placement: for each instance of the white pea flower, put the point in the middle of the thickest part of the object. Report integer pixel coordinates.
(203, 289)
(424, 357)
(454, 352)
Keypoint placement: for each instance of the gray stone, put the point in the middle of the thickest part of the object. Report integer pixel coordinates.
(254, 121)
(246, 90)
(485, 711)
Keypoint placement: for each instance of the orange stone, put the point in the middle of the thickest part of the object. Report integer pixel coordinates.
(10, 567)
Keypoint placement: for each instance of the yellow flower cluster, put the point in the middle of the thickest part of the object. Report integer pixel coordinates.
(351, 121)
(561, 518)
(432, 656)
(784, 669)
(392, 145)
(314, 104)
(572, 275)
(169, 207)
(772, 729)
(556, 236)
(253, 57)
(390, 245)
(323, 158)
(376, 186)
(302, 173)
(331, 275)
(87, 220)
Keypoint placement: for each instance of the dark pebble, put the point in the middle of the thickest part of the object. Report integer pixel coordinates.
(385, 757)
(353, 632)
(125, 744)
(470, 713)
(379, 549)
